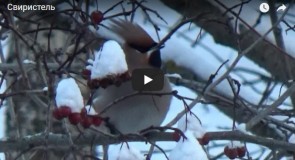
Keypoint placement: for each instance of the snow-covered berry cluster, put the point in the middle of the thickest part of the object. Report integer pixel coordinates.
(89, 117)
(109, 67)
(190, 122)
(124, 152)
(69, 104)
(188, 148)
(235, 149)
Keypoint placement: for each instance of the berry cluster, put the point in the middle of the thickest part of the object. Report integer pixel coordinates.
(235, 150)
(108, 66)
(107, 81)
(85, 119)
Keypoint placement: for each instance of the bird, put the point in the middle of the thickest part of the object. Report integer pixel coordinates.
(139, 112)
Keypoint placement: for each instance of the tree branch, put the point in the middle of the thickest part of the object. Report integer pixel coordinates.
(28, 66)
(217, 24)
(60, 141)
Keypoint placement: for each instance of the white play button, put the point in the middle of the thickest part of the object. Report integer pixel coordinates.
(146, 80)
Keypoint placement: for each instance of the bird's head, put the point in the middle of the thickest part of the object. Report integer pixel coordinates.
(138, 45)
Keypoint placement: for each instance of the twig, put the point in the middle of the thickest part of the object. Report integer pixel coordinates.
(271, 108)
(174, 29)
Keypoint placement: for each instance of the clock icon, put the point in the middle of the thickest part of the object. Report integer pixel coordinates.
(264, 7)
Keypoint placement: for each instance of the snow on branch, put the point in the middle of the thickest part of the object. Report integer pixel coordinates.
(61, 141)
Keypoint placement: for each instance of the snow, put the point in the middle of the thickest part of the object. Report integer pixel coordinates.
(188, 149)
(109, 60)
(90, 110)
(68, 94)
(190, 122)
(235, 144)
(242, 127)
(27, 61)
(292, 139)
(90, 61)
(124, 152)
(264, 24)
(173, 75)
(89, 67)
(45, 89)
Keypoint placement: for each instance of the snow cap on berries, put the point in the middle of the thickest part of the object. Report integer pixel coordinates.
(190, 122)
(90, 110)
(235, 149)
(235, 144)
(124, 152)
(68, 94)
(188, 149)
(109, 60)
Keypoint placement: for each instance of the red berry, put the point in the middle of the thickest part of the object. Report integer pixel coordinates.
(75, 118)
(231, 153)
(105, 82)
(96, 17)
(125, 76)
(86, 122)
(56, 114)
(83, 112)
(86, 73)
(96, 120)
(241, 151)
(64, 111)
(204, 140)
(93, 84)
(176, 136)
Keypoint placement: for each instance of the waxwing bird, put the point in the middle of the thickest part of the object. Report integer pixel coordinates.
(141, 111)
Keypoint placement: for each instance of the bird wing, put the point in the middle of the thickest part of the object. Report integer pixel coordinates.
(135, 36)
